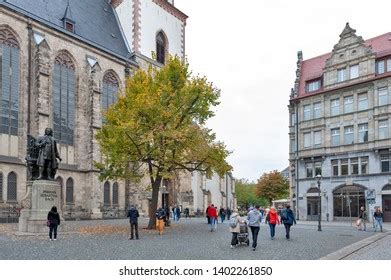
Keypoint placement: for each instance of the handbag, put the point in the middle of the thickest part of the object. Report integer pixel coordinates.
(48, 223)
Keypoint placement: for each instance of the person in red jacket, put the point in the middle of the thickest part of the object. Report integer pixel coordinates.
(212, 214)
(273, 219)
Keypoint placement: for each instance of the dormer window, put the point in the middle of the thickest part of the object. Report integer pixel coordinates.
(383, 65)
(354, 71)
(313, 85)
(69, 26)
(341, 75)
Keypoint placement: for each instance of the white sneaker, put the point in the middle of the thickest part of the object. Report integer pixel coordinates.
(232, 247)
(50, 239)
(55, 239)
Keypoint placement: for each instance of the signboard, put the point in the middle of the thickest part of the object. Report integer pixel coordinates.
(370, 194)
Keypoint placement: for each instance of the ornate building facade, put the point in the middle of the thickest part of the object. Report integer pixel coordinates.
(340, 129)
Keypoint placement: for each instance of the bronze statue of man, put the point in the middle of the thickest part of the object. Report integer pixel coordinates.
(48, 154)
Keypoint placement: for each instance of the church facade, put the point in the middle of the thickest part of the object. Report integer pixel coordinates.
(62, 64)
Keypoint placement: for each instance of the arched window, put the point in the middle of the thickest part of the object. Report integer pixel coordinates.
(313, 190)
(59, 180)
(347, 200)
(161, 47)
(106, 194)
(109, 90)
(115, 193)
(387, 188)
(1, 186)
(9, 81)
(69, 191)
(64, 87)
(12, 187)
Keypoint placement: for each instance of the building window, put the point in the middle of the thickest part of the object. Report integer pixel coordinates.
(317, 139)
(12, 187)
(347, 201)
(307, 140)
(293, 119)
(161, 47)
(362, 101)
(318, 168)
(349, 135)
(388, 64)
(293, 146)
(348, 104)
(313, 85)
(354, 71)
(364, 165)
(9, 87)
(69, 191)
(385, 162)
(344, 167)
(69, 26)
(335, 167)
(109, 90)
(380, 67)
(309, 170)
(341, 75)
(334, 107)
(335, 136)
(1, 186)
(383, 129)
(383, 96)
(115, 193)
(317, 110)
(363, 132)
(64, 87)
(306, 112)
(106, 194)
(354, 166)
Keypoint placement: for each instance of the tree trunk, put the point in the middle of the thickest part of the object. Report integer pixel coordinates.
(155, 198)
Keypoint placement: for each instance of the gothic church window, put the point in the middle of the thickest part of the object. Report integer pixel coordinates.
(161, 47)
(1, 186)
(9, 82)
(69, 191)
(12, 187)
(115, 193)
(109, 90)
(106, 194)
(64, 87)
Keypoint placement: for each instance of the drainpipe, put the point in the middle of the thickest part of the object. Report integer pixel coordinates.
(297, 158)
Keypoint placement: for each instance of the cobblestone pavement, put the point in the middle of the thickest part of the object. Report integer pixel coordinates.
(188, 239)
(379, 250)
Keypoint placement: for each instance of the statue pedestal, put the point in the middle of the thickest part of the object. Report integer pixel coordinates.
(44, 195)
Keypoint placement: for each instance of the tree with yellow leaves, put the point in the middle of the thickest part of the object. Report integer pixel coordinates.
(272, 186)
(158, 126)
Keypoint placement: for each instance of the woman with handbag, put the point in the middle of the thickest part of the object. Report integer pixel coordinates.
(53, 222)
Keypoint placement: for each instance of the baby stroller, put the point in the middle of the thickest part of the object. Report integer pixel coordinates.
(243, 234)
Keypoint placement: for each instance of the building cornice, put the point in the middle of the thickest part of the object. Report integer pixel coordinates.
(168, 7)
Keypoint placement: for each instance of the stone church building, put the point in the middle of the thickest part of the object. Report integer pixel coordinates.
(62, 63)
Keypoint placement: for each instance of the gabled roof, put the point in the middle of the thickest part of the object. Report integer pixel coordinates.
(313, 68)
(95, 21)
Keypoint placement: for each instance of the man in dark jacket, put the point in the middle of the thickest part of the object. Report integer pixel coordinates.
(288, 219)
(133, 219)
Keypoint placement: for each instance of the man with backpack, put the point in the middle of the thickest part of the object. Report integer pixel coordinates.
(288, 219)
(133, 220)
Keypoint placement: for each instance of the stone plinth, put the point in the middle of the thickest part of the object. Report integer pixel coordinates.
(44, 195)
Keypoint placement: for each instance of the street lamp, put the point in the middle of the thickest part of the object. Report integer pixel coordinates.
(318, 178)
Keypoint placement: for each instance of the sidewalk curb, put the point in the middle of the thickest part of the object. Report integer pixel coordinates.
(351, 249)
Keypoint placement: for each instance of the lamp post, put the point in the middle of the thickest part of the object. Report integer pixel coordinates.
(318, 178)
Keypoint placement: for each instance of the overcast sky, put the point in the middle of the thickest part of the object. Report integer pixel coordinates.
(248, 48)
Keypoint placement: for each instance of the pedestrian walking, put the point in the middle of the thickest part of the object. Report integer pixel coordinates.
(53, 221)
(229, 213)
(288, 219)
(378, 216)
(187, 213)
(133, 220)
(212, 214)
(222, 214)
(234, 227)
(207, 216)
(160, 220)
(178, 213)
(273, 219)
(361, 222)
(254, 222)
(174, 217)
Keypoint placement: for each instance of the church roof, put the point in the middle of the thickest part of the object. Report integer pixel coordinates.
(313, 68)
(95, 21)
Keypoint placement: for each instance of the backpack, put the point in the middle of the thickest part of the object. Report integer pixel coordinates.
(284, 215)
(233, 222)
